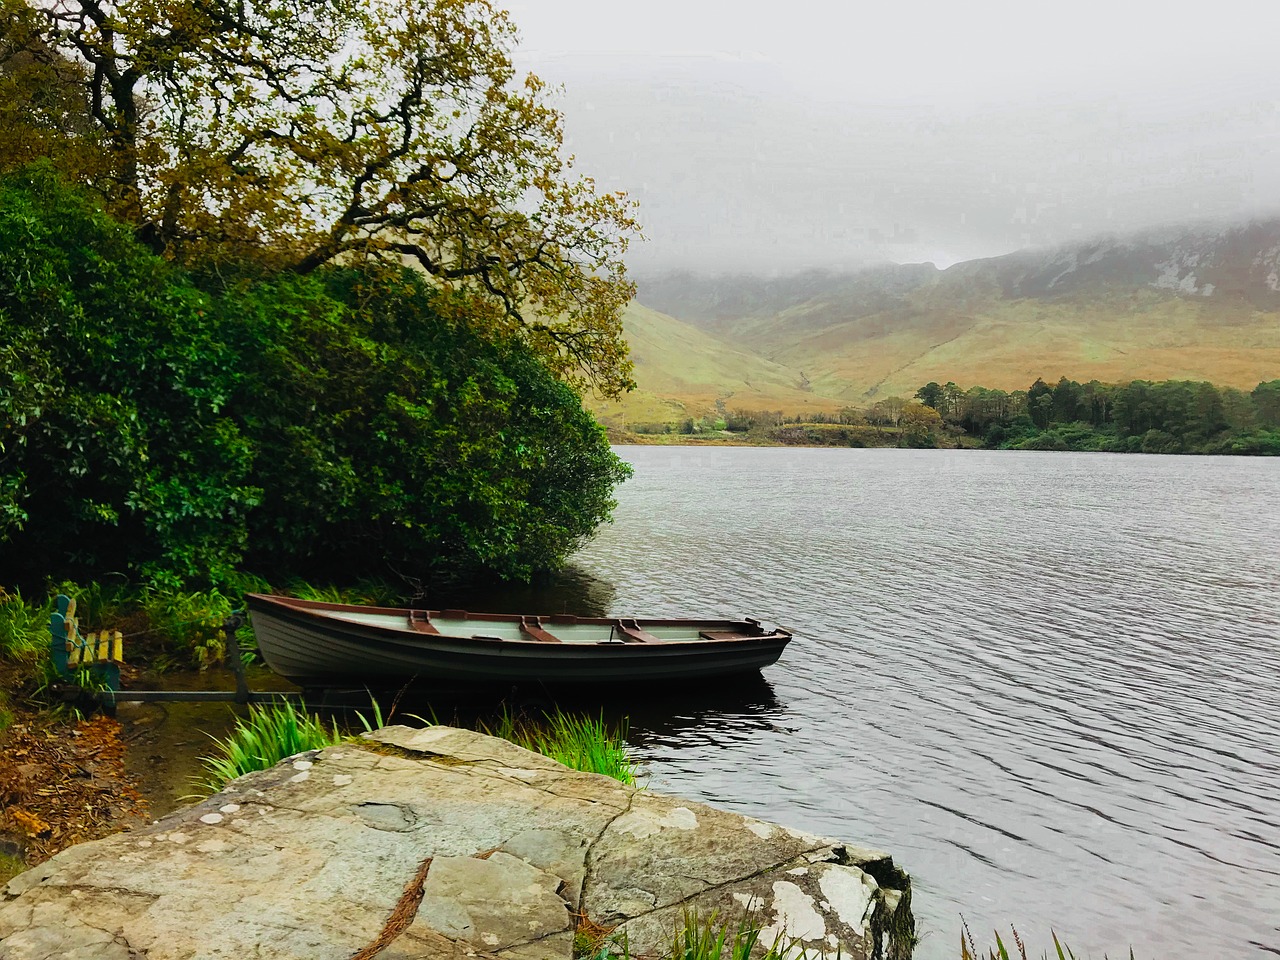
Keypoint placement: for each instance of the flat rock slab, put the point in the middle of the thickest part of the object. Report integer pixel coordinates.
(443, 843)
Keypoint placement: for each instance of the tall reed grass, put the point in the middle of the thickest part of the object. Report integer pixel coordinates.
(580, 743)
(367, 592)
(969, 951)
(259, 742)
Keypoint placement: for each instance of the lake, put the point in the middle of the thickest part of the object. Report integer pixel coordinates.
(1047, 683)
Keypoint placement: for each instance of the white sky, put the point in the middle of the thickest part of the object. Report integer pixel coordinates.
(776, 136)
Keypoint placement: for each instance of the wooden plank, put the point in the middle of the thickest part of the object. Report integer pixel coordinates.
(632, 633)
(723, 635)
(532, 627)
(420, 622)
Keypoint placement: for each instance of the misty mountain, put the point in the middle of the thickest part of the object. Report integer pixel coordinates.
(1241, 262)
(1197, 303)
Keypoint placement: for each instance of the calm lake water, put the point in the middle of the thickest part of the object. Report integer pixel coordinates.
(1048, 684)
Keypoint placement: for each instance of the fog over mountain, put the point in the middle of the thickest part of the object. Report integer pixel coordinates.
(924, 134)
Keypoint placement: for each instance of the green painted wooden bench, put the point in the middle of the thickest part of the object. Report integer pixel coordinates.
(73, 653)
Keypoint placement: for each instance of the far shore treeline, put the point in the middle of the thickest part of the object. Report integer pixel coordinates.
(1172, 416)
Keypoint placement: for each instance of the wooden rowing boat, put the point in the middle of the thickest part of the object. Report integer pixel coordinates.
(318, 644)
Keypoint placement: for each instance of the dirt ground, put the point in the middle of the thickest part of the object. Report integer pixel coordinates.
(62, 782)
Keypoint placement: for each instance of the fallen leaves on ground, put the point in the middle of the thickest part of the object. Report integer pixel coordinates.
(63, 783)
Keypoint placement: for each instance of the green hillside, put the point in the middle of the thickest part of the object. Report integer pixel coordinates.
(1007, 344)
(1176, 306)
(685, 372)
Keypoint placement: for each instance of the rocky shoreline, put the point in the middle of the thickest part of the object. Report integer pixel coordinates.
(441, 842)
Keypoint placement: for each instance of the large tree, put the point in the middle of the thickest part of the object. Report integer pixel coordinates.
(296, 133)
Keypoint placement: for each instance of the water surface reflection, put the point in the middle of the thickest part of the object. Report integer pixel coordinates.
(1049, 684)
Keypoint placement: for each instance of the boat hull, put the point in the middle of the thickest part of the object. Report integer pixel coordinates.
(314, 648)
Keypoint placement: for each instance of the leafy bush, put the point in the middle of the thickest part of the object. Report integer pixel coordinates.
(393, 437)
(112, 384)
(326, 425)
(1158, 441)
(1258, 442)
(192, 621)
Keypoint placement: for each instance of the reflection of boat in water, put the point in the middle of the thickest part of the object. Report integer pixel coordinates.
(654, 716)
(319, 644)
(680, 716)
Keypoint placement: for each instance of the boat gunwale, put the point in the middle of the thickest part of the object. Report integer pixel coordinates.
(311, 610)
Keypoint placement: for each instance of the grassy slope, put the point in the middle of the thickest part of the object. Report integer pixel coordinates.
(1007, 344)
(682, 372)
(975, 339)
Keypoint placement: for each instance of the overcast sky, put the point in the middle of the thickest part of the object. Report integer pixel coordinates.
(774, 136)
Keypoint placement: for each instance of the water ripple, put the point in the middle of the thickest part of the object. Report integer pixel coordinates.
(1049, 684)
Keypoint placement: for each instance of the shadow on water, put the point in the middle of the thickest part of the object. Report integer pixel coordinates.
(167, 740)
(572, 590)
(651, 713)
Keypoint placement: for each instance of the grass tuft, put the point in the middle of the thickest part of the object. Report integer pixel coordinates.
(267, 736)
(702, 938)
(969, 950)
(580, 743)
(24, 633)
(365, 592)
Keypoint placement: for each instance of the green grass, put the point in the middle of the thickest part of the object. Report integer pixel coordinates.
(701, 938)
(366, 591)
(581, 743)
(10, 867)
(191, 620)
(267, 736)
(24, 633)
(969, 951)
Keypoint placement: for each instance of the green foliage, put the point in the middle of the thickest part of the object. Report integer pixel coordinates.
(580, 743)
(365, 592)
(1258, 443)
(267, 736)
(328, 425)
(1173, 416)
(701, 938)
(300, 135)
(10, 867)
(112, 386)
(24, 634)
(191, 621)
(704, 939)
(393, 437)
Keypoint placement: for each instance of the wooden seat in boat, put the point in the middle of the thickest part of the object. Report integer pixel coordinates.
(531, 627)
(632, 633)
(419, 621)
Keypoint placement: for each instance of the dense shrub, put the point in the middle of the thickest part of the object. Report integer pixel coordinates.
(332, 424)
(115, 448)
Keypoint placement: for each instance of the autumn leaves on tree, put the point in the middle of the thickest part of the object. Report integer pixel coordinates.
(298, 133)
(302, 287)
